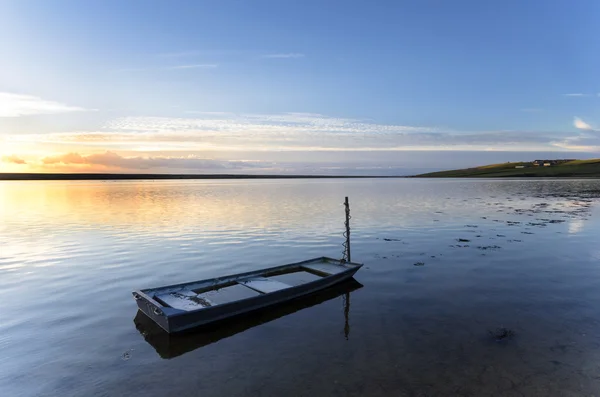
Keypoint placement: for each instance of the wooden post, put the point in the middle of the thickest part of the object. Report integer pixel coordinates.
(347, 205)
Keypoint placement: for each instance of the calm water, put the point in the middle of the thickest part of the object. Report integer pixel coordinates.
(71, 253)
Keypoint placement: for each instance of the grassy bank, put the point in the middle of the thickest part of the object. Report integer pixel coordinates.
(570, 169)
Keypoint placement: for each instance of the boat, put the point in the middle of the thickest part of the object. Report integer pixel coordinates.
(169, 346)
(180, 307)
(176, 308)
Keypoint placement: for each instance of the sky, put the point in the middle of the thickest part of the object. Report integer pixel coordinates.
(341, 87)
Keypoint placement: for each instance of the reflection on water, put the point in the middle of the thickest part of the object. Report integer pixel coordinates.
(170, 346)
(446, 262)
(347, 315)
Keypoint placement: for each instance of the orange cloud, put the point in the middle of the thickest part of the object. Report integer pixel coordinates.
(13, 159)
(69, 158)
(113, 161)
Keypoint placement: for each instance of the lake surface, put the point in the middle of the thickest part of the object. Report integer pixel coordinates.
(420, 325)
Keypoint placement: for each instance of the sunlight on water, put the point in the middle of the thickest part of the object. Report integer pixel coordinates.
(447, 262)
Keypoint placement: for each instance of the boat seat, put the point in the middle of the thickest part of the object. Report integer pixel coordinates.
(263, 284)
(327, 268)
(184, 300)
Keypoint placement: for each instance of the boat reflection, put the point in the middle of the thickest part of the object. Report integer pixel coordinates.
(172, 345)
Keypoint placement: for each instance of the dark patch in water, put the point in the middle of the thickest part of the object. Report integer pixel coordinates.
(537, 224)
(127, 355)
(488, 247)
(500, 334)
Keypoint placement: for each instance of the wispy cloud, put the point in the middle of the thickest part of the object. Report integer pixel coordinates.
(586, 141)
(532, 110)
(179, 54)
(13, 159)
(581, 143)
(112, 160)
(285, 55)
(175, 67)
(576, 94)
(230, 132)
(582, 125)
(286, 132)
(128, 70)
(195, 66)
(208, 113)
(16, 105)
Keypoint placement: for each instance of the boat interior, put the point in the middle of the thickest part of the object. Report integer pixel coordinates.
(201, 295)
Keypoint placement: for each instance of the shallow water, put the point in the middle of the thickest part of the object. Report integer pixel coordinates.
(71, 253)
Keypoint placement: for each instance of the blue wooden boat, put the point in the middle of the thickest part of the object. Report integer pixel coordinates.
(179, 307)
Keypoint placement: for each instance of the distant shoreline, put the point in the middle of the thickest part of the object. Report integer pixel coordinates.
(532, 169)
(96, 176)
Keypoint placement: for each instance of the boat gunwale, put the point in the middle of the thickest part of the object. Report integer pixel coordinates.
(171, 312)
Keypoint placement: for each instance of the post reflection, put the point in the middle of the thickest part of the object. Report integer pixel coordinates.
(347, 315)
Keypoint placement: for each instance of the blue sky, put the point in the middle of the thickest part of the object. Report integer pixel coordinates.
(190, 86)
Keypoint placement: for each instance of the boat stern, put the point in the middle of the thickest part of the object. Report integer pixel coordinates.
(154, 310)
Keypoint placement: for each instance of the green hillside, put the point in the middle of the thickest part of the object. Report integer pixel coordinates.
(572, 169)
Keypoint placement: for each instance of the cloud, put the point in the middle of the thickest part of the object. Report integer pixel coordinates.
(127, 70)
(69, 158)
(580, 143)
(113, 161)
(230, 132)
(176, 67)
(208, 113)
(285, 132)
(578, 94)
(588, 140)
(285, 55)
(195, 66)
(178, 54)
(16, 105)
(582, 125)
(264, 132)
(13, 159)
